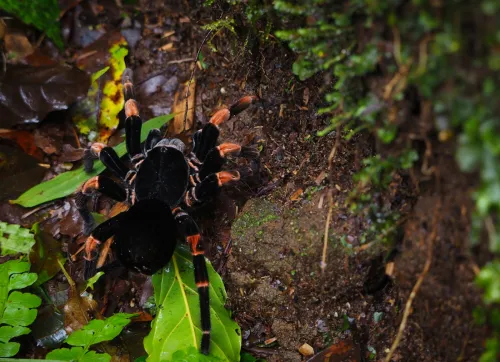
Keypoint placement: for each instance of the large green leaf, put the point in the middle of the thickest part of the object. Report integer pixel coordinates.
(96, 331)
(15, 239)
(66, 183)
(17, 310)
(176, 326)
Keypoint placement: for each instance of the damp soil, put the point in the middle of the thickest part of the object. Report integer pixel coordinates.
(266, 235)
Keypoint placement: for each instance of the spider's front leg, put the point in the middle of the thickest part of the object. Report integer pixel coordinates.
(205, 139)
(97, 184)
(191, 233)
(212, 184)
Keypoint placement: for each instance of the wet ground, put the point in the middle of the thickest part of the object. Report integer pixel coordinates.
(267, 235)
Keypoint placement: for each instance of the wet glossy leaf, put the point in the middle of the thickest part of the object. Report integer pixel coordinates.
(17, 309)
(41, 14)
(66, 183)
(96, 331)
(15, 239)
(176, 326)
(28, 94)
(44, 255)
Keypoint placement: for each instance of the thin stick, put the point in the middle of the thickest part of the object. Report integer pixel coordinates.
(192, 76)
(327, 227)
(416, 287)
(334, 149)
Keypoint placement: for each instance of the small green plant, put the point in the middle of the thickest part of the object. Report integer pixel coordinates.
(97, 331)
(43, 14)
(15, 239)
(17, 309)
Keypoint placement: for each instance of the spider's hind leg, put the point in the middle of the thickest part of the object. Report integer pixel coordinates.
(190, 230)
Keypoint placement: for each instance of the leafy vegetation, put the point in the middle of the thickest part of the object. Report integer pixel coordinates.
(66, 183)
(43, 15)
(15, 239)
(176, 328)
(17, 309)
(97, 331)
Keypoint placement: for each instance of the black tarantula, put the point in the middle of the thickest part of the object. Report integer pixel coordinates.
(162, 185)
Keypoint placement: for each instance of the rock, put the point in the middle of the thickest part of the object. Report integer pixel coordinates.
(306, 350)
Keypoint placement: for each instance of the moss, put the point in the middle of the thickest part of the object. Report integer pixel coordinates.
(257, 213)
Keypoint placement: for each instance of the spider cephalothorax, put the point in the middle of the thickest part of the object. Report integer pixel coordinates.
(161, 187)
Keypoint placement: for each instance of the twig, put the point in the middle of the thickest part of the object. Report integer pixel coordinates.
(327, 227)
(417, 285)
(334, 149)
(192, 76)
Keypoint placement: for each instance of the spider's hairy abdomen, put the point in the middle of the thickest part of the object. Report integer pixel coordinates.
(147, 236)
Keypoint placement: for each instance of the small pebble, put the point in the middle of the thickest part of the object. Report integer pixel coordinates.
(223, 90)
(306, 350)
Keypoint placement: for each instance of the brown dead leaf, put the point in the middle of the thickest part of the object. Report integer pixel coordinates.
(167, 47)
(296, 195)
(344, 351)
(168, 33)
(25, 140)
(305, 96)
(17, 47)
(177, 126)
(77, 308)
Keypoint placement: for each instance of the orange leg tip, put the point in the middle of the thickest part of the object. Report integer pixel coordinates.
(91, 185)
(203, 284)
(131, 108)
(227, 176)
(220, 116)
(226, 148)
(96, 148)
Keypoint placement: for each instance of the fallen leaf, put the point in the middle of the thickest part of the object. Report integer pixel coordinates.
(18, 171)
(44, 255)
(296, 195)
(17, 47)
(305, 96)
(25, 140)
(78, 308)
(344, 351)
(28, 94)
(105, 99)
(167, 47)
(179, 109)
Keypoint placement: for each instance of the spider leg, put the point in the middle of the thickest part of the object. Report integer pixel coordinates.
(189, 229)
(211, 185)
(94, 185)
(133, 122)
(108, 156)
(206, 138)
(216, 157)
(97, 245)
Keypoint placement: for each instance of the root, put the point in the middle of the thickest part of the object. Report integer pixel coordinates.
(417, 285)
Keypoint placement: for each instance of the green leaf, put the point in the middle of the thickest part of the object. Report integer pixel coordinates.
(176, 326)
(93, 280)
(98, 330)
(15, 239)
(17, 309)
(43, 15)
(66, 183)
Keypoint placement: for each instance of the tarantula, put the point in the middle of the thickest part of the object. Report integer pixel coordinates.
(161, 186)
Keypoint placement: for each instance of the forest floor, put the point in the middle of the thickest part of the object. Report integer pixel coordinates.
(266, 236)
